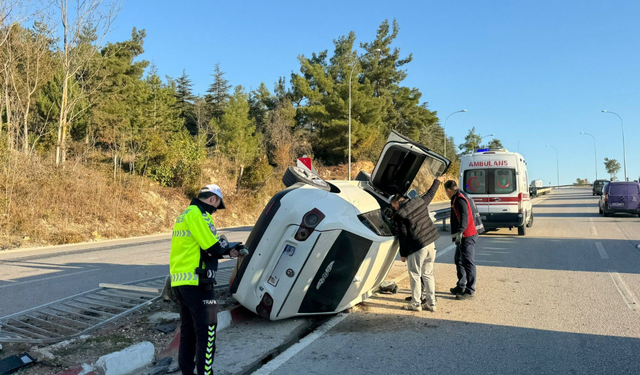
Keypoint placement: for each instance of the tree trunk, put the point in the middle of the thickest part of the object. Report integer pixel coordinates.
(25, 145)
(8, 109)
(62, 125)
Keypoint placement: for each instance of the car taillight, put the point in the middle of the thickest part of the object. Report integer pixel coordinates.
(310, 221)
(265, 306)
(520, 197)
(606, 197)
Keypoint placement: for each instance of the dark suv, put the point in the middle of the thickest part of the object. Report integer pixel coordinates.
(620, 197)
(597, 186)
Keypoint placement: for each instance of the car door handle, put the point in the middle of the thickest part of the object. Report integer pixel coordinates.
(496, 199)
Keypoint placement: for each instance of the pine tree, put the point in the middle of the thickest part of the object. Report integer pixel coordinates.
(218, 92)
(236, 132)
(471, 142)
(184, 101)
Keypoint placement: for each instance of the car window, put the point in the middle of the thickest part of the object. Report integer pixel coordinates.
(429, 171)
(475, 181)
(618, 190)
(504, 181)
(633, 190)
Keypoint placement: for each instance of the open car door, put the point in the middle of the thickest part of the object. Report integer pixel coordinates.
(404, 161)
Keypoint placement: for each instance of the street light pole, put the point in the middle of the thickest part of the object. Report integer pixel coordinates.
(444, 129)
(350, 74)
(485, 136)
(557, 164)
(595, 151)
(624, 151)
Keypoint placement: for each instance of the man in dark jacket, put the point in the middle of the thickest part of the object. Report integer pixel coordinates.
(465, 235)
(417, 236)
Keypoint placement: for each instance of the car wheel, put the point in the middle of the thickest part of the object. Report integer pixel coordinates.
(522, 230)
(294, 175)
(530, 223)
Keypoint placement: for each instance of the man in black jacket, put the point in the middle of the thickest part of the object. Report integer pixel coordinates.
(417, 236)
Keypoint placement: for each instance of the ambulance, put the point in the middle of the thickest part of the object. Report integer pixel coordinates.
(496, 179)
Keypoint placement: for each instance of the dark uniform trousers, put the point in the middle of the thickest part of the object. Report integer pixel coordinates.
(464, 259)
(199, 318)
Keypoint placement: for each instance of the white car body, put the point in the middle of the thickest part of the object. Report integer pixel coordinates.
(497, 182)
(297, 269)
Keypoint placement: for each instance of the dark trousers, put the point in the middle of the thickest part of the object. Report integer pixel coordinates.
(198, 321)
(465, 264)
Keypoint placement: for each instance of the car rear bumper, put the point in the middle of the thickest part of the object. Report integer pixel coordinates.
(502, 220)
(615, 210)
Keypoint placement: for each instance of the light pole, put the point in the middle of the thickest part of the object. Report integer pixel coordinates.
(485, 136)
(444, 129)
(350, 74)
(624, 151)
(557, 164)
(595, 151)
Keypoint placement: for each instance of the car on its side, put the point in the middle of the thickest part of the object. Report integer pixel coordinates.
(620, 197)
(320, 247)
(597, 186)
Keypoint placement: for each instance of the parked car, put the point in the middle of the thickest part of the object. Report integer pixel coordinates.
(320, 247)
(597, 186)
(620, 197)
(496, 179)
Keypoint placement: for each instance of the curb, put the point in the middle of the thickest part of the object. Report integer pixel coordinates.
(138, 354)
(226, 318)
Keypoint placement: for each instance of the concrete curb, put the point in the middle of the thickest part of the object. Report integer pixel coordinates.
(225, 319)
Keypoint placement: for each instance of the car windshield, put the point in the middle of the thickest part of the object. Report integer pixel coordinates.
(429, 171)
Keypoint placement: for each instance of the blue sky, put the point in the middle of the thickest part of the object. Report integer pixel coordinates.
(532, 72)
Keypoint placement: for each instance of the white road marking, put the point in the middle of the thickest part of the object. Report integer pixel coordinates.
(48, 278)
(278, 361)
(624, 291)
(602, 251)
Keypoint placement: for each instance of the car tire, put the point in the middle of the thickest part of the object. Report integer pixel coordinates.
(530, 223)
(522, 230)
(293, 175)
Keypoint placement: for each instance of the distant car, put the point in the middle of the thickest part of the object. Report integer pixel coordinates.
(320, 247)
(597, 186)
(620, 197)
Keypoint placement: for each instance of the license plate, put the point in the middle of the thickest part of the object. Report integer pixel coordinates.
(617, 204)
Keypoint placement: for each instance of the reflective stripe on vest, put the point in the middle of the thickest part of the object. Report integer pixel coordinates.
(183, 276)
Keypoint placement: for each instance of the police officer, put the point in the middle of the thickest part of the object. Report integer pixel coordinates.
(195, 250)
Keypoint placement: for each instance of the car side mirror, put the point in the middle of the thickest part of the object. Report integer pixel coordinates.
(413, 194)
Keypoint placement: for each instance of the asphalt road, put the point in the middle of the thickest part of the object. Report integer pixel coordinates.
(33, 277)
(562, 300)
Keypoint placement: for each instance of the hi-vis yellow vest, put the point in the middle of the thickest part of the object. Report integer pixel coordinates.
(193, 230)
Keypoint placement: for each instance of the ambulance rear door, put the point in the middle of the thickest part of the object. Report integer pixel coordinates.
(475, 181)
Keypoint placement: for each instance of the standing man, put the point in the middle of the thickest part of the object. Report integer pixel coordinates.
(465, 235)
(195, 250)
(417, 235)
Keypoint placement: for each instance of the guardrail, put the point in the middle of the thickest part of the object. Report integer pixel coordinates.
(443, 215)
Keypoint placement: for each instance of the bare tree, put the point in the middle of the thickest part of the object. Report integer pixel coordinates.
(87, 14)
(28, 71)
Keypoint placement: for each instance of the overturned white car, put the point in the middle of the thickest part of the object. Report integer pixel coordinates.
(320, 247)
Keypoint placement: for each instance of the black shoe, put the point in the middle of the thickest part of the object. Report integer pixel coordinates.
(457, 290)
(408, 299)
(465, 295)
